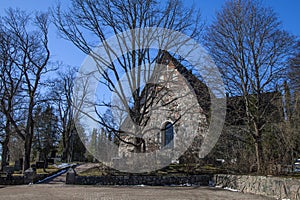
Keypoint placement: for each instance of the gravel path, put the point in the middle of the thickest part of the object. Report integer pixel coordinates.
(61, 180)
(70, 192)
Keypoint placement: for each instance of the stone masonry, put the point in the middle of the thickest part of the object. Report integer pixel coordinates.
(276, 187)
(178, 105)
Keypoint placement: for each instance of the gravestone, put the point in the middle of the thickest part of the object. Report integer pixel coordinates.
(40, 165)
(71, 176)
(50, 161)
(18, 164)
(53, 153)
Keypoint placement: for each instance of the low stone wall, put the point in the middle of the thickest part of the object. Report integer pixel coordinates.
(12, 180)
(20, 180)
(202, 180)
(29, 177)
(276, 187)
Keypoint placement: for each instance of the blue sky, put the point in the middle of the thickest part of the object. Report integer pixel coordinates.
(288, 11)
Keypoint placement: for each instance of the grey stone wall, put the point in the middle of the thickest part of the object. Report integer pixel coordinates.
(10, 180)
(20, 180)
(199, 180)
(29, 176)
(276, 187)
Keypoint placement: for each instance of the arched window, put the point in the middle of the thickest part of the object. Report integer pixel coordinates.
(169, 135)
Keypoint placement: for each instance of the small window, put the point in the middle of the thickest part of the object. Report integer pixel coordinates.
(169, 135)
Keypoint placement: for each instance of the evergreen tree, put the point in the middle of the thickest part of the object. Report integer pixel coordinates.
(45, 134)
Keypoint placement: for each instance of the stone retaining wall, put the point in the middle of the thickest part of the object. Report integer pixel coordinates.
(276, 187)
(202, 180)
(12, 180)
(20, 180)
(27, 178)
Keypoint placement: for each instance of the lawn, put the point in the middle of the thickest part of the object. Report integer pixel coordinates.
(49, 170)
(172, 169)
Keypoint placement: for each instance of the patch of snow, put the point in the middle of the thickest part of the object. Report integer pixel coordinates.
(63, 165)
(142, 185)
(182, 185)
(230, 189)
(186, 185)
(226, 188)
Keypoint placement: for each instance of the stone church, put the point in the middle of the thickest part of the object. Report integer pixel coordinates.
(176, 113)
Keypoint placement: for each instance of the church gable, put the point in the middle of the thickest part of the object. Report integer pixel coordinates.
(175, 117)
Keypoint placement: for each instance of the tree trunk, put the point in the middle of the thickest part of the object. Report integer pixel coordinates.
(27, 151)
(27, 144)
(5, 148)
(29, 131)
(65, 154)
(259, 155)
(45, 162)
(66, 145)
(4, 154)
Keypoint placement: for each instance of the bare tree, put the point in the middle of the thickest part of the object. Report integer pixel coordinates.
(251, 50)
(290, 127)
(294, 70)
(10, 85)
(62, 94)
(30, 35)
(104, 18)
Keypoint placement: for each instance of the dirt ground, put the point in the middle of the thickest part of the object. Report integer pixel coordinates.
(68, 192)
